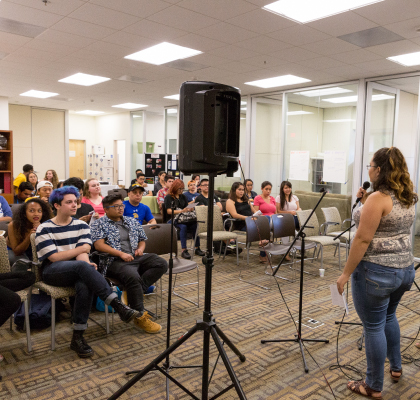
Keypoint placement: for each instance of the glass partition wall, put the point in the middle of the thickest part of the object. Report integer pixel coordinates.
(137, 135)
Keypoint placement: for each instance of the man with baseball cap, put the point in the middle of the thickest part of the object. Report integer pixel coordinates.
(134, 208)
(44, 189)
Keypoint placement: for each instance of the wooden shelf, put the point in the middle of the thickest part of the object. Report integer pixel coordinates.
(5, 151)
(5, 172)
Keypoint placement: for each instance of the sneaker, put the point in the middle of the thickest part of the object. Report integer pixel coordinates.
(151, 289)
(126, 313)
(186, 255)
(144, 322)
(199, 252)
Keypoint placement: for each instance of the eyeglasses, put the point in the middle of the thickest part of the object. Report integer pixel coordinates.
(371, 166)
(204, 184)
(117, 206)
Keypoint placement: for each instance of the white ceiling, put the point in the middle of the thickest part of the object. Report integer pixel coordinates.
(240, 43)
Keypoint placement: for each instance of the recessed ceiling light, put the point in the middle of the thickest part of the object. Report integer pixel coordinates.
(171, 111)
(130, 106)
(324, 92)
(243, 103)
(137, 116)
(298, 112)
(39, 94)
(304, 11)
(278, 81)
(163, 53)
(172, 97)
(353, 99)
(243, 108)
(407, 59)
(90, 112)
(339, 120)
(84, 79)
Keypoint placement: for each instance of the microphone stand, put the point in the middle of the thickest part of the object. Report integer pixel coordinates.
(298, 338)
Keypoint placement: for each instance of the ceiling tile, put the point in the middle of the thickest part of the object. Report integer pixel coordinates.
(220, 9)
(330, 46)
(261, 21)
(356, 56)
(114, 50)
(103, 16)
(139, 8)
(347, 71)
(198, 42)
(371, 37)
(77, 27)
(61, 7)
(295, 54)
(321, 63)
(182, 18)
(263, 44)
(210, 59)
(376, 65)
(50, 47)
(226, 33)
(64, 38)
(239, 67)
(265, 61)
(129, 40)
(408, 28)
(395, 48)
(10, 42)
(153, 30)
(298, 35)
(232, 52)
(342, 24)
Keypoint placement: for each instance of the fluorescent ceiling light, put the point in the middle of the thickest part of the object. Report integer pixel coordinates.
(171, 111)
(243, 118)
(173, 97)
(39, 94)
(324, 92)
(243, 108)
(278, 81)
(304, 11)
(130, 106)
(84, 79)
(163, 53)
(298, 112)
(136, 116)
(407, 59)
(353, 99)
(90, 112)
(243, 103)
(339, 120)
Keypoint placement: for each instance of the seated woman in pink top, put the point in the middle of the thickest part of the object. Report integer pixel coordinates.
(92, 195)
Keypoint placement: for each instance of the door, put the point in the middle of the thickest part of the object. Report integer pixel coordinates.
(77, 158)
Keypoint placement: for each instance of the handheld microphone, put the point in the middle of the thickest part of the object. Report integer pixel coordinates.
(366, 186)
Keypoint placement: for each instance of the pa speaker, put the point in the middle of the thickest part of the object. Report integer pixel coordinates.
(209, 128)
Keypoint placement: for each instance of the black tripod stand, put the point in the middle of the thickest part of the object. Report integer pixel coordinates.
(207, 325)
(298, 338)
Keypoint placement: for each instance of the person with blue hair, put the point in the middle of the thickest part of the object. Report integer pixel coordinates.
(63, 244)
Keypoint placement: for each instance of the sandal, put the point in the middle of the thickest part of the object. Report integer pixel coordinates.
(263, 243)
(395, 378)
(354, 386)
(1, 358)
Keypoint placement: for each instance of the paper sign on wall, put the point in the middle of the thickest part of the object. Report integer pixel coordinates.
(299, 165)
(72, 153)
(334, 166)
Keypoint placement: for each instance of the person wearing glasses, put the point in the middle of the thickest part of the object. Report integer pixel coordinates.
(203, 198)
(123, 242)
(381, 265)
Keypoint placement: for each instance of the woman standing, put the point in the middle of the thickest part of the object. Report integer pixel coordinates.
(381, 265)
(287, 202)
(51, 176)
(181, 203)
(249, 185)
(92, 196)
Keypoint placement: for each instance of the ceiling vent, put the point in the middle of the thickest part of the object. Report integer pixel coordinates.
(133, 79)
(371, 37)
(185, 65)
(20, 28)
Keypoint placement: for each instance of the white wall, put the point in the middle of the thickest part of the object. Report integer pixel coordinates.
(4, 114)
(83, 127)
(155, 131)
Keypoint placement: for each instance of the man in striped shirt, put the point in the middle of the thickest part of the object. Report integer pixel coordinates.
(63, 244)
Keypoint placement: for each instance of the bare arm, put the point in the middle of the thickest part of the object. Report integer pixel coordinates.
(151, 222)
(140, 248)
(5, 218)
(219, 204)
(231, 209)
(69, 254)
(18, 248)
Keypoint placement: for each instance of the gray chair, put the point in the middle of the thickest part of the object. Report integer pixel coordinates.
(14, 207)
(122, 192)
(159, 242)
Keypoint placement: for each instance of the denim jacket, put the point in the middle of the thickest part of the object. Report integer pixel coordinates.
(105, 228)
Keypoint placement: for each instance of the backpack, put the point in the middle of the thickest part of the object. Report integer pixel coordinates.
(39, 312)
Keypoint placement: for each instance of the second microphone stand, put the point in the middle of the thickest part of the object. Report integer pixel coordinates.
(298, 337)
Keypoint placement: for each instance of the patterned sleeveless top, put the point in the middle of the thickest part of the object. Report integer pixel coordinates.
(391, 244)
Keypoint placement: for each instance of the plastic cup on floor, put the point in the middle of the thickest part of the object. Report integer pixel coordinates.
(321, 272)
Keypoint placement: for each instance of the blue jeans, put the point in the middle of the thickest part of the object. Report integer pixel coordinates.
(183, 230)
(86, 280)
(377, 291)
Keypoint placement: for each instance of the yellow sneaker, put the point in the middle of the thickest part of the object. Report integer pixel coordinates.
(144, 322)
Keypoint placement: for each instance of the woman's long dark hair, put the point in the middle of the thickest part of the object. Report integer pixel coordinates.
(283, 196)
(245, 182)
(232, 193)
(394, 175)
(21, 224)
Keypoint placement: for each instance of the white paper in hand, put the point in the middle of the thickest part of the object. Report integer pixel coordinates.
(192, 205)
(338, 299)
(257, 213)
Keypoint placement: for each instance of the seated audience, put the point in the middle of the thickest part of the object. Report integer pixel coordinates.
(60, 184)
(25, 190)
(5, 211)
(248, 189)
(25, 221)
(196, 178)
(192, 191)
(85, 212)
(203, 198)
(287, 202)
(141, 181)
(133, 181)
(181, 202)
(63, 244)
(169, 180)
(44, 189)
(23, 176)
(51, 176)
(265, 202)
(33, 179)
(135, 209)
(92, 196)
(123, 239)
(160, 183)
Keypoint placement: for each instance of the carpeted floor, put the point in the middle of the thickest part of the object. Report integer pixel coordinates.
(246, 313)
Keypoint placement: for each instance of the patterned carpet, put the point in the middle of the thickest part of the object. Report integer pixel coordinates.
(246, 313)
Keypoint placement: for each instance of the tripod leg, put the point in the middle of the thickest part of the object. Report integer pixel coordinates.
(303, 356)
(227, 363)
(153, 364)
(230, 344)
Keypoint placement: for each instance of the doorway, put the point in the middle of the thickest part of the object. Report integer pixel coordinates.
(77, 158)
(119, 171)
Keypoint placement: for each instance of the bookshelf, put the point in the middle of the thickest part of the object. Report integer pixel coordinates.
(6, 165)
